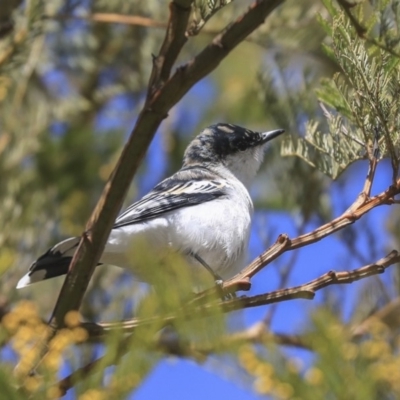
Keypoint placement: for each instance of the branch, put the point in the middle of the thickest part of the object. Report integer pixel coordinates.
(174, 40)
(135, 20)
(112, 18)
(284, 243)
(192, 310)
(173, 346)
(388, 315)
(155, 110)
(260, 334)
(373, 153)
(255, 334)
(284, 279)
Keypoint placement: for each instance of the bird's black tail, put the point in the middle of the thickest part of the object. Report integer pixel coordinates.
(54, 262)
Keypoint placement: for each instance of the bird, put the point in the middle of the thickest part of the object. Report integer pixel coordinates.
(203, 211)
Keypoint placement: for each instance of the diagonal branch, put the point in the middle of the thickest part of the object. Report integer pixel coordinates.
(284, 243)
(255, 334)
(174, 40)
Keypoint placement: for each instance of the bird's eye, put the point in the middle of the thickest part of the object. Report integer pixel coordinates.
(241, 146)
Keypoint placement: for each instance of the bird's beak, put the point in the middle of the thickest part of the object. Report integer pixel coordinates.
(267, 136)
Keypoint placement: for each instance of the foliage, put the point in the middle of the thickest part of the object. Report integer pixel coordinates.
(363, 99)
(205, 10)
(70, 88)
(343, 368)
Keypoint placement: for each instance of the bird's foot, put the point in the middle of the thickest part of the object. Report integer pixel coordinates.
(223, 294)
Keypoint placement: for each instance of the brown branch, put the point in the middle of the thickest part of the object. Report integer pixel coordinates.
(137, 20)
(155, 110)
(69, 381)
(112, 18)
(258, 333)
(176, 347)
(366, 192)
(308, 290)
(388, 314)
(284, 243)
(172, 345)
(174, 40)
(305, 291)
(255, 334)
(151, 116)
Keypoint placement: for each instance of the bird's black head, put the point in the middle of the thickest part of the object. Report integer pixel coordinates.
(219, 141)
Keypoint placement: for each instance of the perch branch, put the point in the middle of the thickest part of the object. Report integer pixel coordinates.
(304, 291)
(255, 334)
(284, 243)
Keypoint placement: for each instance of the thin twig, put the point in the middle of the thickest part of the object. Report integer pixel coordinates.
(174, 346)
(111, 18)
(362, 30)
(388, 314)
(373, 153)
(175, 38)
(135, 20)
(259, 334)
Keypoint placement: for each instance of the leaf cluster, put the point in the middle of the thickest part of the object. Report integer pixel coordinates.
(360, 104)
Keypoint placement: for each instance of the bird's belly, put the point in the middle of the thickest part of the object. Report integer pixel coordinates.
(129, 242)
(218, 232)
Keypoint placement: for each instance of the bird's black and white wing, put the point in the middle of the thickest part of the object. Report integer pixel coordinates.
(185, 188)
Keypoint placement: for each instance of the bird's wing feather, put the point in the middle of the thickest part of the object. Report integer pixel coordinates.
(185, 188)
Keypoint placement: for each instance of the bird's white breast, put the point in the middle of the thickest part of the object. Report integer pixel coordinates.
(221, 238)
(217, 231)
